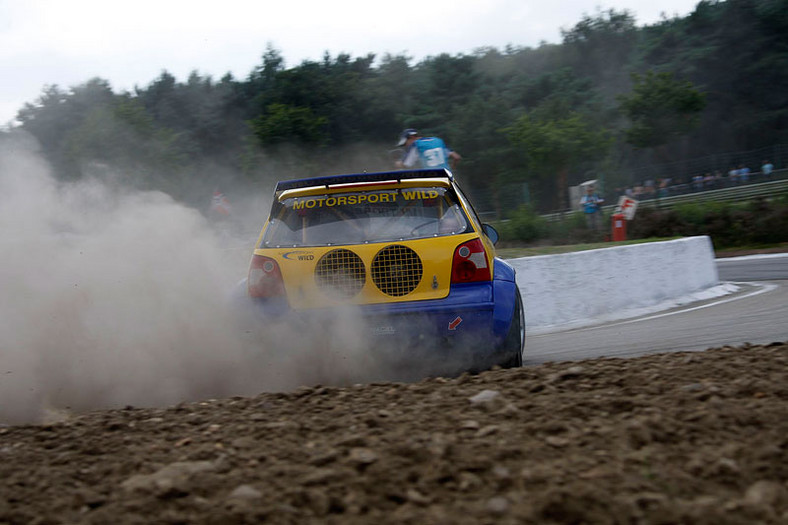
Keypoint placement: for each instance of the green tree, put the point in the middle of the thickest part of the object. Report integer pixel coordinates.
(737, 50)
(552, 147)
(206, 114)
(734, 49)
(489, 160)
(57, 112)
(282, 124)
(599, 48)
(124, 136)
(660, 108)
(386, 95)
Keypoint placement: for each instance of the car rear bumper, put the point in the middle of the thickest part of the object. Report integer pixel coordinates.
(463, 331)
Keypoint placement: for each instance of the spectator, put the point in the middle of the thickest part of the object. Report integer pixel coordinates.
(766, 169)
(679, 187)
(428, 152)
(663, 187)
(744, 174)
(697, 182)
(592, 204)
(220, 206)
(648, 189)
(733, 176)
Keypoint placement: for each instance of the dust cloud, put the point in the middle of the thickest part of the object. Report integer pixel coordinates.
(115, 297)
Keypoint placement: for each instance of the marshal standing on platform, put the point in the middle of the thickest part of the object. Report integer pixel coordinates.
(428, 152)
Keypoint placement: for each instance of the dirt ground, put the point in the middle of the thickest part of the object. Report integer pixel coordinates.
(670, 438)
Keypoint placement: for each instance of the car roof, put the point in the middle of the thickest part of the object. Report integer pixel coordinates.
(332, 180)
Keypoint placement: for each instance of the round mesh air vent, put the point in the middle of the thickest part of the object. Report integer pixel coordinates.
(396, 270)
(340, 273)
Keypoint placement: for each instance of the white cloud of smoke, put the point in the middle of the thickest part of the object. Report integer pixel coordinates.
(113, 297)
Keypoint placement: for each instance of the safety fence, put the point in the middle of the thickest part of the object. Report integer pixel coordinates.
(739, 193)
(512, 196)
(776, 154)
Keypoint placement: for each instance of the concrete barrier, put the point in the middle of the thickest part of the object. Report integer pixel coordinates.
(559, 290)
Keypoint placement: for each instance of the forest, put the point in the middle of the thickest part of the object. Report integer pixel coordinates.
(613, 101)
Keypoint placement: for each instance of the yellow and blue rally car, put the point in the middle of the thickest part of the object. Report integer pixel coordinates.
(406, 250)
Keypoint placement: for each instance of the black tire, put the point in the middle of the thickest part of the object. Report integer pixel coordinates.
(514, 343)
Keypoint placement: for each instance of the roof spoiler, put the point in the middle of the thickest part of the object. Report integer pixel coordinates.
(331, 180)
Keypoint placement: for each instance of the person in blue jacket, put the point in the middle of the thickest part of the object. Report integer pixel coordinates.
(427, 152)
(592, 205)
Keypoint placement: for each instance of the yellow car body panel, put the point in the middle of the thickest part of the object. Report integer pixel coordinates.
(298, 267)
(298, 262)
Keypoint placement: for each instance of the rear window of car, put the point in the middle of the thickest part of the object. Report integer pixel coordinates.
(356, 217)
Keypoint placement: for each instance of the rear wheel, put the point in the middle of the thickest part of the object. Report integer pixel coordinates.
(514, 343)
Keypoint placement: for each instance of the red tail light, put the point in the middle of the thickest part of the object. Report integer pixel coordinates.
(470, 263)
(265, 278)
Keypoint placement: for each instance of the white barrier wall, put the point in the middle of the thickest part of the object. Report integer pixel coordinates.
(562, 289)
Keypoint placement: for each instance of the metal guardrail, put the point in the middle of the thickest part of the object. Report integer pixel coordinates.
(735, 193)
(740, 193)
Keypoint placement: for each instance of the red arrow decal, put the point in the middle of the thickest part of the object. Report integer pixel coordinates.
(455, 323)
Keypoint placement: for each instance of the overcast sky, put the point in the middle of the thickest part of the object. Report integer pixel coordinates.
(67, 42)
